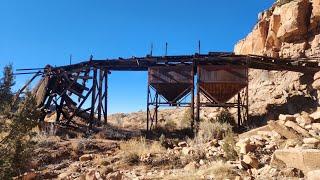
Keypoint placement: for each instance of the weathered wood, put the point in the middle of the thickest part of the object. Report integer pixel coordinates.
(93, 98)
(105, 96)
(101, 74)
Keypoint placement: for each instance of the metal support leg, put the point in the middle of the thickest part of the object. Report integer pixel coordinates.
(106, 96)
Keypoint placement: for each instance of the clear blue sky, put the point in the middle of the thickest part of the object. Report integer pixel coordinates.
(34, 33)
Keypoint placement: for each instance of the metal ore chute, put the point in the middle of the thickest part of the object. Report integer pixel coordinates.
(81, 90)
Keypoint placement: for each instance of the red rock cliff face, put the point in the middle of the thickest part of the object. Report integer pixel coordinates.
(289, 28)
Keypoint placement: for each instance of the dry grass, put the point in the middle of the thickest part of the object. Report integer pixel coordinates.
(211, 130)
(218, 170)
(134, 149)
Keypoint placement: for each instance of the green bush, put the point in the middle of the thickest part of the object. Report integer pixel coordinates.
(225, 117)
(229, 146)
(17, 121)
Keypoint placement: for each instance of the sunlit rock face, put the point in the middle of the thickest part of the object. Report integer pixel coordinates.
(287, 29)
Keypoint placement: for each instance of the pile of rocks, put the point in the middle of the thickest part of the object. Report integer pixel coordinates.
(289, 144)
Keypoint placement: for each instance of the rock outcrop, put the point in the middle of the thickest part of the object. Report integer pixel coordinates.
(287, 29)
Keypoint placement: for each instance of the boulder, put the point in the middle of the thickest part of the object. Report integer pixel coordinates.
(313, 175)
(282, 130)
(254, 132)
(251, 161)
(293, 20)
(86, 157)
(245, 146)
(315, 16)
(187, 151)
(29, 176)
(303, 159)
(304, 120)
(183, 144)
(297, 128)
(286, 117)
(315, 115)
(311, 141)
(114, 176)
(316, 126)
(92, 175)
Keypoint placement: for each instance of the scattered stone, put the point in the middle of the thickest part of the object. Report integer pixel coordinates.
(286, 117)
(303, 159)
(191, 167)
(291, 172)
(115, 176)
(315, 115)
(187, 151)
(251, 161)
(183, 144)
(313, 175)
(29, 176)
(213, 142)
(254, 132)
(304, 120)
(316, 126)
(245, 146)
(311, 141)
(86, 157)
(297, 128)
(282, 130)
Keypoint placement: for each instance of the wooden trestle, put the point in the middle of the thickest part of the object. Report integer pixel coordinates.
(67, 89)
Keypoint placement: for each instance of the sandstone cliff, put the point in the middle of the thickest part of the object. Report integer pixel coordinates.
(290, 28)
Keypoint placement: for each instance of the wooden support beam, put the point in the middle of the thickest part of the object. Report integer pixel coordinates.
(25, 86)
(148, 118)
(198, 100)
(192, 99)
(239, 109)
(93, 98)
(101, 74)
(106, 96)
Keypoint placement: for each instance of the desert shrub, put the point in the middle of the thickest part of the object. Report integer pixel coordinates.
(211, 130)
(186, 119)
(225, 116)
(229, 146)
(170, 124)
(134, 149)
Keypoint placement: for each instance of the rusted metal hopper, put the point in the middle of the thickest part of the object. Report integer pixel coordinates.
(221, 83)
(171, 82)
